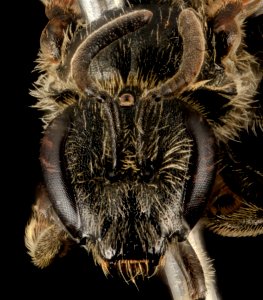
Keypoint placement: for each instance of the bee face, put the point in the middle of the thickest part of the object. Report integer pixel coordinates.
(140, 103)
(125, 190)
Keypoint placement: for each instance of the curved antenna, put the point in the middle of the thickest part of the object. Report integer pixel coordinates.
(100, 39)
(191, 31)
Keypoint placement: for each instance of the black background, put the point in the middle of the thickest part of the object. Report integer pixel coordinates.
(238, 262)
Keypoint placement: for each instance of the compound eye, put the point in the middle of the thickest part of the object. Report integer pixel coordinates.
(126, 100)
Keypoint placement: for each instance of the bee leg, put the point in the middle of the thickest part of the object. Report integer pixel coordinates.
(235, 207)
(183, 272)
(45, 237)
(230, 214)
(62, 15)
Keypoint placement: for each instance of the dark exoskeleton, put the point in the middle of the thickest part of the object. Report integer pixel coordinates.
(150, 110)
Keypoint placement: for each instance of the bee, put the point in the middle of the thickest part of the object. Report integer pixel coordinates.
(152, 131)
